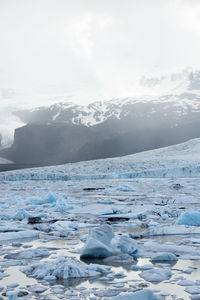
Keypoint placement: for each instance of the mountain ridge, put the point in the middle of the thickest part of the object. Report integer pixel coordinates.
(66, 132)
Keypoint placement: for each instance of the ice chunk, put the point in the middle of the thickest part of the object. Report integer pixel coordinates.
(12, 295)
(141, 295)
(164, 256)
(28, 254)
(22, 214)
(119, 259)
(103, 233)
(142, 268)
(125, 188)
(186, 282)
(167, 230)
(156, 275)
(95, 249)
(64, 226)
(98, 244)
(102, 242)
(61, 206)
(64, 268)
(193, 290)
(4, 236)
(50, 198)
(125, 244)
(191, 218)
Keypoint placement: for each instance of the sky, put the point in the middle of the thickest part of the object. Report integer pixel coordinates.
(87, 50)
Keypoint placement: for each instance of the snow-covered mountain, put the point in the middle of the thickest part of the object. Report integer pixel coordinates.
(66, 132)
(176, 95)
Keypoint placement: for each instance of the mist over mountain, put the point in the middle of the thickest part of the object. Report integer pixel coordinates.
(66, 132)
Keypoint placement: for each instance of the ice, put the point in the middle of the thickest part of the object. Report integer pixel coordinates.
(164, 256)
(125, 244)
(169, 247)
(102, 242)
(64, 268)
(95, 249)
(191, 218)
(95, 209)
(28, 254)
(183, 199)
(186, 282)
(22, 214)
(98, 244)
(156, 275)
(18, 235)
(63, 227)
(50, 198)
(137, 195)
(12, 295)
(103, 233)
(126, 188)
(193, 290)
(61, 206)
(142, 268)
(167, 230)
(141, 295)
(120, 259)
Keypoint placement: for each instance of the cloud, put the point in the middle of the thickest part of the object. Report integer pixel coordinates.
(93, 48)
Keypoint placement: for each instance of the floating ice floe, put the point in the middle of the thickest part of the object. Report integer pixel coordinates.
(191, 218)
(12, 295)
(102, 242)
(50, 198)
(151, 246)
(186, 282)
(63, 226)
(4, 236)
(141, 295)
(193, 290)
(29, 254)
(98, 244)
(64, 268)
(156, 275)
(165, 256)
(125, 244)
(167, 230)
(22, 214)
(120, 259)
(58, 203)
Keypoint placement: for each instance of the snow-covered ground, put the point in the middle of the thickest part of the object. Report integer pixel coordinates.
(142, 213)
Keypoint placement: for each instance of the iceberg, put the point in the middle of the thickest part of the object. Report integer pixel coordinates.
(102, 242)
(191, 218)
(165, 256)
(156, 275)
(50, 198)
(98, 244)
(22, 214)
(12, 295)
(125, 244)
(64, 268)
(5, 236)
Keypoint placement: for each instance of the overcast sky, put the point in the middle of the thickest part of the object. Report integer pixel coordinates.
(87, 50)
